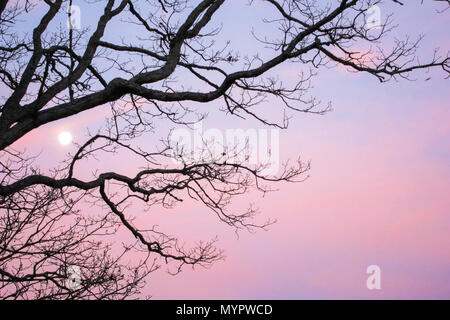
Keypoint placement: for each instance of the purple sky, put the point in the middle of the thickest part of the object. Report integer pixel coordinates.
(378, 191)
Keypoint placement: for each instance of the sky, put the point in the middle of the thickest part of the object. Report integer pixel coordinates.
(377, 192)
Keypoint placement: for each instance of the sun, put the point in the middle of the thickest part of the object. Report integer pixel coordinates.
(65, 138)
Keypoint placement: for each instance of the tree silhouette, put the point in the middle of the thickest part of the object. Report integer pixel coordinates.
(52, 72)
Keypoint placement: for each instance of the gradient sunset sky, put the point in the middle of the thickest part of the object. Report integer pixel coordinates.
(378, 191)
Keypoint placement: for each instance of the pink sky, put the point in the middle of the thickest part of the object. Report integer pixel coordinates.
(378, 193)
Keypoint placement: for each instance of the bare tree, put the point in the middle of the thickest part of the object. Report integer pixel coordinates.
(52, 73)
